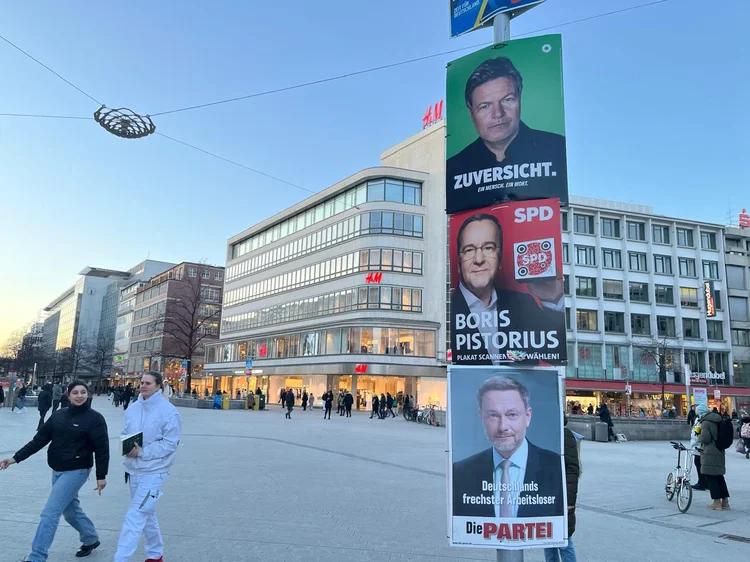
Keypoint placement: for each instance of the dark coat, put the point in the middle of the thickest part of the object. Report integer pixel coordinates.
(44, 402)
(525, 314)
(691, 417)
(572, 472)
(542, 467)
(713, 461)
(64, 400)
(389, 401)
(289, 399)
(304, 399)
(375, 403)
(605, 416)
(328, 397)
(348, 400)
(74, 435)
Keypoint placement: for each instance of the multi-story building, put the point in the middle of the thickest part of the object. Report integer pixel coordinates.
(174, 316)
(737, 256)
(345, 289)
(634, 281)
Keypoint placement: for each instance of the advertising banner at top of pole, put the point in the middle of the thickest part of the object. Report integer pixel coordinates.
(468, 15)
(505, 440)
(506, 125)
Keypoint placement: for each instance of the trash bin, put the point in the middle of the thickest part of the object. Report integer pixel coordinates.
(225, 402)
(601, 432)
(261, 402)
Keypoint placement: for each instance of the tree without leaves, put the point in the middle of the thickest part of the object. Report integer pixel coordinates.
(659, 351)
(97, 357)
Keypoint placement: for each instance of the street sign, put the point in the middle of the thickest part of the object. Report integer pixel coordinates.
(717, 394)
(184, 364)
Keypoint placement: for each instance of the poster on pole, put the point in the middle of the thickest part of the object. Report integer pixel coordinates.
(699, 396)
(507, 299)
(468, 15)
(506, 125)
(506, 478)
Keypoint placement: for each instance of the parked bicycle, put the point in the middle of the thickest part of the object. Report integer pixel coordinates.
(410, 414)
(678, 481)
(428, 416)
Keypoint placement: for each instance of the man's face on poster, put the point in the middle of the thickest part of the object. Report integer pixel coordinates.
(479, 255)
(496, 110)
(505, 418)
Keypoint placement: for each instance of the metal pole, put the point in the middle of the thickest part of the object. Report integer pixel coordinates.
(501, 34)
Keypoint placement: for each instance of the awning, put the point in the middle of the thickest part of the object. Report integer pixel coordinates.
(648, 387)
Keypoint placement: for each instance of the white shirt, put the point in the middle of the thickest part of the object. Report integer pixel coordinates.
(478, 307)
(517, 475)
(558, 306)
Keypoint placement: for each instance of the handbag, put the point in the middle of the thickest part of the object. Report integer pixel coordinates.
(740, 447)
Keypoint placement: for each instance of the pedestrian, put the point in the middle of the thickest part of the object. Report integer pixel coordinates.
(328, 399)
(590, 410)
(691, 416)
(289, 403)
(375, 406)
(744, 430)
(44, 403)
(340, 401)
(127, 396)
(348, 402)
(282, 396)
(238, 395)
(65, 400)
(381, 414)
(389, 405)
(147, 467)
(713, 459)
(218, 401)
(2, 396)
(606, 417)
(76, 435)
(20, 401)
(572, 475)
(304, 401)
(57, 392)
(311, 400)
(251, 401)
(695, 449)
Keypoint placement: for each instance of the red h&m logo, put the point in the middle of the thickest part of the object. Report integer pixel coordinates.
(433, 114)
(374, 277)
(744, 219)
(361, 368)
(263, 350)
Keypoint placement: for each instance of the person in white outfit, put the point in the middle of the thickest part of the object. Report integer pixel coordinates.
(147, 467)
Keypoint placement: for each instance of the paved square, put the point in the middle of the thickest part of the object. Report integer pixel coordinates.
(255, 486)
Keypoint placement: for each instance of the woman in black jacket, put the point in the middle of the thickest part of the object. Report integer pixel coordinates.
(44, 403)
(74, 435)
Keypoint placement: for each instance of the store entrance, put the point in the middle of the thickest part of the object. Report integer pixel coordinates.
(367, 387)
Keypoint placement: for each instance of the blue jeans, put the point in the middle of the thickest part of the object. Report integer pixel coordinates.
(566, 554)
(63, 500)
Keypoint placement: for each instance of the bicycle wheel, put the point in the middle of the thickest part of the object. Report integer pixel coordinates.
(669, 488)
(684, 496)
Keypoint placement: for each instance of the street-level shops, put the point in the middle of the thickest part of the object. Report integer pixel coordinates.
(645, 399)
(428, 385)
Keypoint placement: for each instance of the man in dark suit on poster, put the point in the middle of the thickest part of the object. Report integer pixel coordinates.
(513, 478)
(479, 310)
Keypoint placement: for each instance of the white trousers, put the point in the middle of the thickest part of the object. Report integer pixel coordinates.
(141, 518)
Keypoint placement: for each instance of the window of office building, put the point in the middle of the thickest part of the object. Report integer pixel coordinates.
(590, 361)
(192, 271)
(205, 274)
(584, 224)
(696, 360)
(566, 284)
(640, 324)
(564, 220)
(610, 228)
(738, 309)
(614, 322)
(687, 267)
(218, 275)
(387, 189)
(715, 330)
(363, 260)
(718, 362)
(685, 237)
(741, 337)
(566, 256)
(586, 319)
(688, 296)
(585, 255)
(567, 317)
(691, 328)
(637, 261)
(735, 277)
(665, 326)
(662, 264)
(586, 286)
(612, 289)
(639, 292)
(611, 259)
(636, 231)
(710, 269)
(660, 234)
(664, 294)
(717, 299)
(708, 240)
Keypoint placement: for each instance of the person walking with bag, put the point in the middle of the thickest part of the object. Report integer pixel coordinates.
(76, 435)
(147, 467)
(713, 459)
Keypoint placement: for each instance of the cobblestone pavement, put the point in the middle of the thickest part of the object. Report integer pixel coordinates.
(255, 486)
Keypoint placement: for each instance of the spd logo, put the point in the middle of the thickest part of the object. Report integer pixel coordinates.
(534, 259)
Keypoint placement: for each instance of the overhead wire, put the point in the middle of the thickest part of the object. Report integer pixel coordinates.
(44, 116)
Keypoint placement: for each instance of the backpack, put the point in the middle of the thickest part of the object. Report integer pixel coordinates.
(724, 434)
(745, 431)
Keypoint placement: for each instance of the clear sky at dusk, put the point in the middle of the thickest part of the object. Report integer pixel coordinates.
(656, 114)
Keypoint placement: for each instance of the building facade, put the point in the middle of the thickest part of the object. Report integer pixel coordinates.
(345, 290)
(634, 284)
(174, 317)
(737, 256)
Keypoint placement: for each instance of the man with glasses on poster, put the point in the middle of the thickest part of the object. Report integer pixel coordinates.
(492, 325)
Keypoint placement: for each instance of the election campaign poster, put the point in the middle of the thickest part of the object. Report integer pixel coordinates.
(507, 473)
(507, 299)
(506, 125)
(699, 396)
(468, 15)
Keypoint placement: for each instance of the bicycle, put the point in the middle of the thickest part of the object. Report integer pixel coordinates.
(428, 416)
(410, 414)
(678, 481)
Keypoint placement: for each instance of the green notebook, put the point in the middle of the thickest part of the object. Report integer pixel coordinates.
(130, 441)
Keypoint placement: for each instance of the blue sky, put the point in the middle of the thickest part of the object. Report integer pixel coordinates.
(656, 114)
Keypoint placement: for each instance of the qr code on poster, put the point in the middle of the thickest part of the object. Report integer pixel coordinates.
(534, 259)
